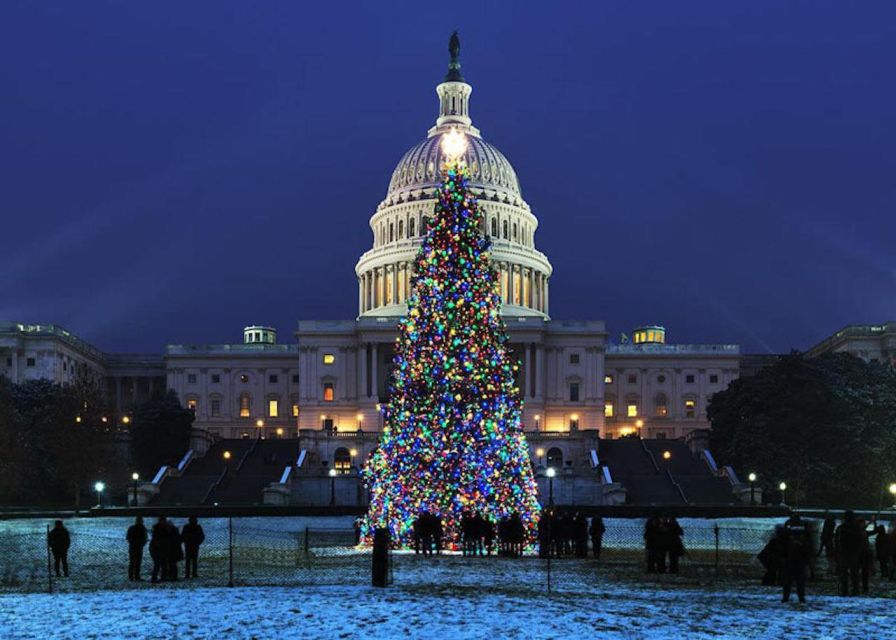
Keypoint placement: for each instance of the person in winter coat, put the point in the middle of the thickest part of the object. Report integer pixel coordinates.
(882, 551)
(672, 543)
(772, 558)
(192, 536)
(59, 542)
(596, 530)
(175, 551)
(797, 551)
(849, 539)
(159, 549)
(653, 545)
(136, 537)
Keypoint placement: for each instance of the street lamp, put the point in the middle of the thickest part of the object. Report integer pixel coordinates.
(227, 455)
(98, 487)
(893, 493)
(126, 420)
(752, 479)
(537, 421)
(550, 473)
(259, 423)
(333, 473)
(135, 477)
(782, 487)
(360, 418)
(539, 453)
(639, 424)
(353, 453)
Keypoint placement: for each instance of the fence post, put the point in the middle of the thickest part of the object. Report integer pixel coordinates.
(49, 563)
(550, 541)
(230, 550)
(716, 531)
(306, 540)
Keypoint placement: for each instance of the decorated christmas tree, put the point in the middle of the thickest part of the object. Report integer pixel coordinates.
(452, 439)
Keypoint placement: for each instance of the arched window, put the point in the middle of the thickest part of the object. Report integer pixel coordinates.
(400, 229)
(504, 233)
(661, 405)
(412, 227)
(244, 405)
(424, 225)
(342, 460)
(555, 458)
(494, 227)
(516, 233)
(391, 231)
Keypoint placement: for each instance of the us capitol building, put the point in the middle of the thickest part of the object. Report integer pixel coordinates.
(324, 385)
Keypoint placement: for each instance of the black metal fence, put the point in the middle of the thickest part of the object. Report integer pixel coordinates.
(259, 551)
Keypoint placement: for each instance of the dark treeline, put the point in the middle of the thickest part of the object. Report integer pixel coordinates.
(826, 426)
(58, 440)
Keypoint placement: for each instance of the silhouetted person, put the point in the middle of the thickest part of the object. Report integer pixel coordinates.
(672, 544)
(797, 551)
(826, 546)
(848, 540)
(580, 524)
(192, 536)
(772, 558)
(652, 545)
(866, 555)
(59, 541)
(159, 549)
(174, 552)
(136, 538)
(596, 531)
(882, 551)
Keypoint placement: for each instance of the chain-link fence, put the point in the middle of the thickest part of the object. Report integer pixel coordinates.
(235, 551)
(256, 551)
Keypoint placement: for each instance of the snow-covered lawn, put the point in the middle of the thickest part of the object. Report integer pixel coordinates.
(609, 610)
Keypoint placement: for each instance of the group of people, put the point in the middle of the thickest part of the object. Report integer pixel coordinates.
(663, 542)
(428, 533)
(567, 534)
(167, 547)
(789, 556)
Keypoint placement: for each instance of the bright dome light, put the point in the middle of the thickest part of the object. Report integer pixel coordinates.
(454, 144)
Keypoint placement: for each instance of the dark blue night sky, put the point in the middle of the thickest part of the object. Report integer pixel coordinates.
(170, 172)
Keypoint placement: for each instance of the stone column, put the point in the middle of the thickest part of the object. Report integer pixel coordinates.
(539, 372)
(528, 365)
(546, 297)
(374, 382)
(395, 283)
(362, 367)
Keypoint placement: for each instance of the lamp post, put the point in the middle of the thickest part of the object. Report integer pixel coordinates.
(640, 424)
(126, 420)
(667, 456)
(550, 473)
(783, 488)
(892, 489)
(333, 473)
(279, 432)
(353, 453)
(135, 477)
(752, 479)
(99, 487)
(227, 455)
(360, 418)
(537, 422)
(539, 453)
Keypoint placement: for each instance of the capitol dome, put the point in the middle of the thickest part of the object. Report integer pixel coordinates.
(419, 170)
(401, 219)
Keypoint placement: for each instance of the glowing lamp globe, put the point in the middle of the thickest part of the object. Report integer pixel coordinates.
(550, 473)
(454, 144)
(782, 486)
(752, 477)
(99, 486)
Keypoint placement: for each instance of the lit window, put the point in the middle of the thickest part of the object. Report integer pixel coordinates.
(295, 410)
(191, 404)
(342, 460)
(661, 405)
(244, 405)
(574, 392)
(609, 410)
(690, 408)
(215, 407)
(273, 408)
(328, 392)
(632, 411)
(608, 379)
(329, 358)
